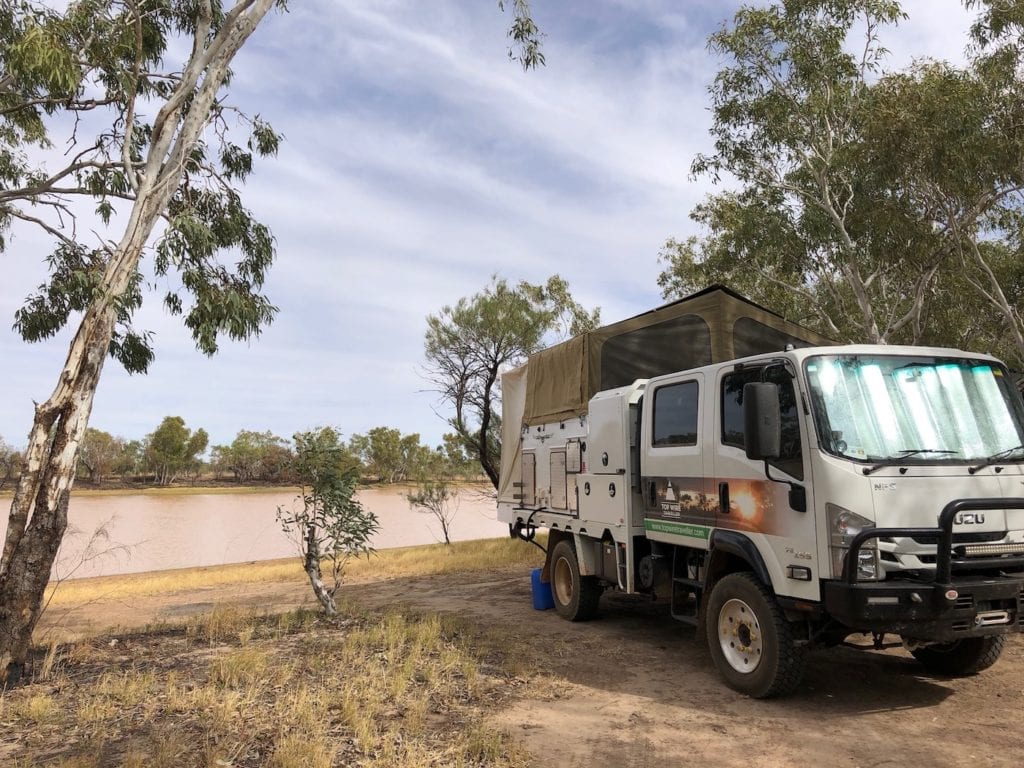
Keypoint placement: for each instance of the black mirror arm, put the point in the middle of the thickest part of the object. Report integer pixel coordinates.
(797, 493)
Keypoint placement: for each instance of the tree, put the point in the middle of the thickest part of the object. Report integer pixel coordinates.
(160, 155)
(384, 455)
(470, 343)
(277, 464)
(100, 453)
(948, 139)
(173, 449)
(390, 456)
(789, 108)
(998, 37)
(10, 463)
(455, 462)
(869, 202)
(327, 519)
(439, 499)
(254, 456)
(129, 461)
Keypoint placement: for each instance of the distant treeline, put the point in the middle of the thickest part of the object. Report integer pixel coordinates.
(174, 453)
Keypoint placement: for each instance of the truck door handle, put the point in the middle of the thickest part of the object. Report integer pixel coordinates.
(723, 498)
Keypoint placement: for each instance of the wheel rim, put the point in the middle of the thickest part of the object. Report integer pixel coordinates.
(562, 581)
(739, 636)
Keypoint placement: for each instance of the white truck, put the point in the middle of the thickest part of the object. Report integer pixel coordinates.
(779, 501)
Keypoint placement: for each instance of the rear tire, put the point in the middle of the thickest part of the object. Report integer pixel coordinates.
(575, 596)
(961, 657)
(750, 640)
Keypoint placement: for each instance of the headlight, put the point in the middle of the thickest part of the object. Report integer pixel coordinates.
(843, 526)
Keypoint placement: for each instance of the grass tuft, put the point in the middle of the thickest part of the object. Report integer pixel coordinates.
(37, 709)
(236, 669)
(299, 751)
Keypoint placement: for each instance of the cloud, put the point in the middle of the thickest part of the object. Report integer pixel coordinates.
(418, 162)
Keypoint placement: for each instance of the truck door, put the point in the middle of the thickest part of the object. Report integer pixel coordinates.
(675, 483)
(745, 499)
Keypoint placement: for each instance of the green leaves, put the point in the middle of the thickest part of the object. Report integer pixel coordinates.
(173, 448)
(468, 344)
(109, 54)
(864, 195)
(327, 521)
(223, 302)
(40, 56)
(75, 281)
(525, 35)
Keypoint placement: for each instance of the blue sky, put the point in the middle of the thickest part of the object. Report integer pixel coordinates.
(418, 161)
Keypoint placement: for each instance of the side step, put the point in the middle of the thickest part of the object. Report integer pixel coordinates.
(686, 591)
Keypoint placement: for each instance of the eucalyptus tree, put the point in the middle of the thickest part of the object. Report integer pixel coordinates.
(998, 45)
(788, 107)
(99, 453)
(255, 456)
(948, 138)
(172, 449)
(328, 523)
(439, 499)
(10, 463)
(95, 118)
(869, 202)
(468, 345)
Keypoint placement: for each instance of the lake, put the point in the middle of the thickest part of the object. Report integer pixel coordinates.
(130, 533)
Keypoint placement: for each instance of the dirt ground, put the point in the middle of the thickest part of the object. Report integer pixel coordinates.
(634, 688)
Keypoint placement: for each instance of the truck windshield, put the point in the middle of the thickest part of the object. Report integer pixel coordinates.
(914, 409)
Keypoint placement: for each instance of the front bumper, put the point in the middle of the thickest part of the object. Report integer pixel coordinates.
(968, 597)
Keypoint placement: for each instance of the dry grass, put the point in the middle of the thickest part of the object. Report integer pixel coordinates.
(233, 688)
(394, 691)
(385, 564)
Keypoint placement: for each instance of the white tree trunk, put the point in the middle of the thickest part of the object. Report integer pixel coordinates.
(312, 567)
(38, 515)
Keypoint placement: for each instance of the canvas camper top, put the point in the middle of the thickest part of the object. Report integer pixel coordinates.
(713, 325)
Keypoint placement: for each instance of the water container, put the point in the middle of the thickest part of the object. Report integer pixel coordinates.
(542, 599)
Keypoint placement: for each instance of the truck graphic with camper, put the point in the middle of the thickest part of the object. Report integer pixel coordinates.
(776, 490)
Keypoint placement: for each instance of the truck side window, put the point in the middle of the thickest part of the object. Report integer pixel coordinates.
(675, 414)
(791, 459)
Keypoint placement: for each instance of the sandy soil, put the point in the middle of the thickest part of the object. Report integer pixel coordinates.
(634, 688)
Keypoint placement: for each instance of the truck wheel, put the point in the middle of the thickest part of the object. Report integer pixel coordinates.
(575, 596)
(750, 640)
(961, 657)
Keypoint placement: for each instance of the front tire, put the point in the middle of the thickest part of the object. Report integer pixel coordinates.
(575, 596)
(750, 640)
(961, 657)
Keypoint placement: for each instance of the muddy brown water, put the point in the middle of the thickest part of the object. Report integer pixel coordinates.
(110, 535)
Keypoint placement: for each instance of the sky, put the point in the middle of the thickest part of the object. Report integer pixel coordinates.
(417, 162)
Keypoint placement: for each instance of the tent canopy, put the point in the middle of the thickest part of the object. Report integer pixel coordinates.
(711, 326)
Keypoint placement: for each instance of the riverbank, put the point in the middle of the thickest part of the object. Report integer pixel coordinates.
(424, 560)
(237, 666)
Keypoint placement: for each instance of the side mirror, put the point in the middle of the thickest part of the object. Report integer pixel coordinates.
(762, 421)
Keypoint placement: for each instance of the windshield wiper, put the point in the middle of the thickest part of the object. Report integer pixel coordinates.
(900, 456)
(998, 456)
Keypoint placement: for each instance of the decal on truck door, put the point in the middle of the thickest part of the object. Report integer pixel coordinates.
(753, 504)
(689, 530)
(679, 497)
